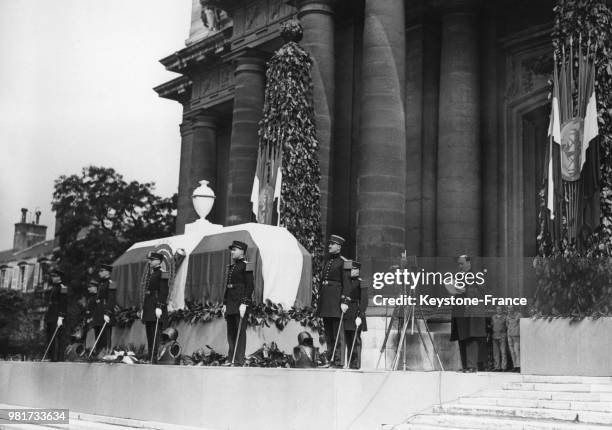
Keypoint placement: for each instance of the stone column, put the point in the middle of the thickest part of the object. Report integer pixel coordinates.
(381, 150)
(198, 161)
(414, 127)
(204, 153)
(185, 211)
(317, 20)
(459, 186)
(248, 110)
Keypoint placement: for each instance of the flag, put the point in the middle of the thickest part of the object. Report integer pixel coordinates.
(554, 134)
(591, 130)
(265, 195)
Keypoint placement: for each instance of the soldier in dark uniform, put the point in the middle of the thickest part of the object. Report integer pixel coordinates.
(468, 328)
(101, 306)
(355, 319)
(238, 296)
(154, 307)
(57, 304)
(335, 282)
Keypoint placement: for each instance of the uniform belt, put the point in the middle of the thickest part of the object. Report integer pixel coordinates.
(230, 286)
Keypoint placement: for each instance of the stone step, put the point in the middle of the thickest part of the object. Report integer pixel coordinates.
(547, 386)
(531, 413)
(546, 395)
(568, 379)
(539, 403)
(475, 422)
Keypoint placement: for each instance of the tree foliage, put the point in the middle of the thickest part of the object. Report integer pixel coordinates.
(288, 120)
(101, 215)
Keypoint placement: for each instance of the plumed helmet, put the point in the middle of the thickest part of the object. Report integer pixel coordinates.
(304, 338)
(170, 334)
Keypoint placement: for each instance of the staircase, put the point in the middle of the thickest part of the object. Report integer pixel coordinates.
(533, 403)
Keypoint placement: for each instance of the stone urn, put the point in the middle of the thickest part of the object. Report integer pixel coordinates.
(203, 199)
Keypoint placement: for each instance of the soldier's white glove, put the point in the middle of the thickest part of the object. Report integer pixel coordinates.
(223, 309)
(60, 321)
(357, 321)
(106, 319)
(139, 314)
(344, 307)
(158, 312)
(242, 310)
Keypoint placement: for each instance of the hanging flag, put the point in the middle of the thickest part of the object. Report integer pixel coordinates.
(265, 195)
(591, 129)
(554, 134)
(277, 194)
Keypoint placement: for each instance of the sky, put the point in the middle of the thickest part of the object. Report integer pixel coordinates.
(76, 90)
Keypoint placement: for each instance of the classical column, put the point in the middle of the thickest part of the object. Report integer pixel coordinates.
(318, 24)
(381, 150)
(431, 77)
(185, 211)
(459, 186)
(204, 153)
(414, 127)
(248, 110)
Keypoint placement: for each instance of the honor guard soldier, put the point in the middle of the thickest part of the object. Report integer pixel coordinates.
(154, 308)
(335, 282)
(57, 304)
(102, 306)
(238, 296)
(356, 298)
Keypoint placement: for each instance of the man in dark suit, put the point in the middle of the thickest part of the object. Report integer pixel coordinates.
(468, 325)
(154, 307)
(236, 299)
(57, 305)
(355, 317)
(335, 282)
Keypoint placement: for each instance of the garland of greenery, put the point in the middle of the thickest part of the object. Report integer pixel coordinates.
(574, 283)
(288, 120)
(265, 314)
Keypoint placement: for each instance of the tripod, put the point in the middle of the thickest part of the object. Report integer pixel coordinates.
(408, 313)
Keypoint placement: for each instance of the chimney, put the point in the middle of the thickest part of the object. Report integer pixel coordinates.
(28, 233)
(37, 213)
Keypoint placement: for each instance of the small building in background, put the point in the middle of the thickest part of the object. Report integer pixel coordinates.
(25, 266)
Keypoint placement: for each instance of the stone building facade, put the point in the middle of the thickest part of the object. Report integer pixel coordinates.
(432, 117)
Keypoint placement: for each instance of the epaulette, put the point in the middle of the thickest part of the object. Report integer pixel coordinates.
(63, 289)
(250, 267)
(165, 275)
(348, 264)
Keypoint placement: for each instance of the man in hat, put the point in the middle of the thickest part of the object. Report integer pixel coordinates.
(57, 304)
(354, 323)
(238, 296)
(335, 282)
(102, 305)
(154, 307)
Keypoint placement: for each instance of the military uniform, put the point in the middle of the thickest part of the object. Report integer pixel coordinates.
(357, 300)
(99, 305)
(335, 282)
(239, 287)
(155, 296)
(57, 304)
